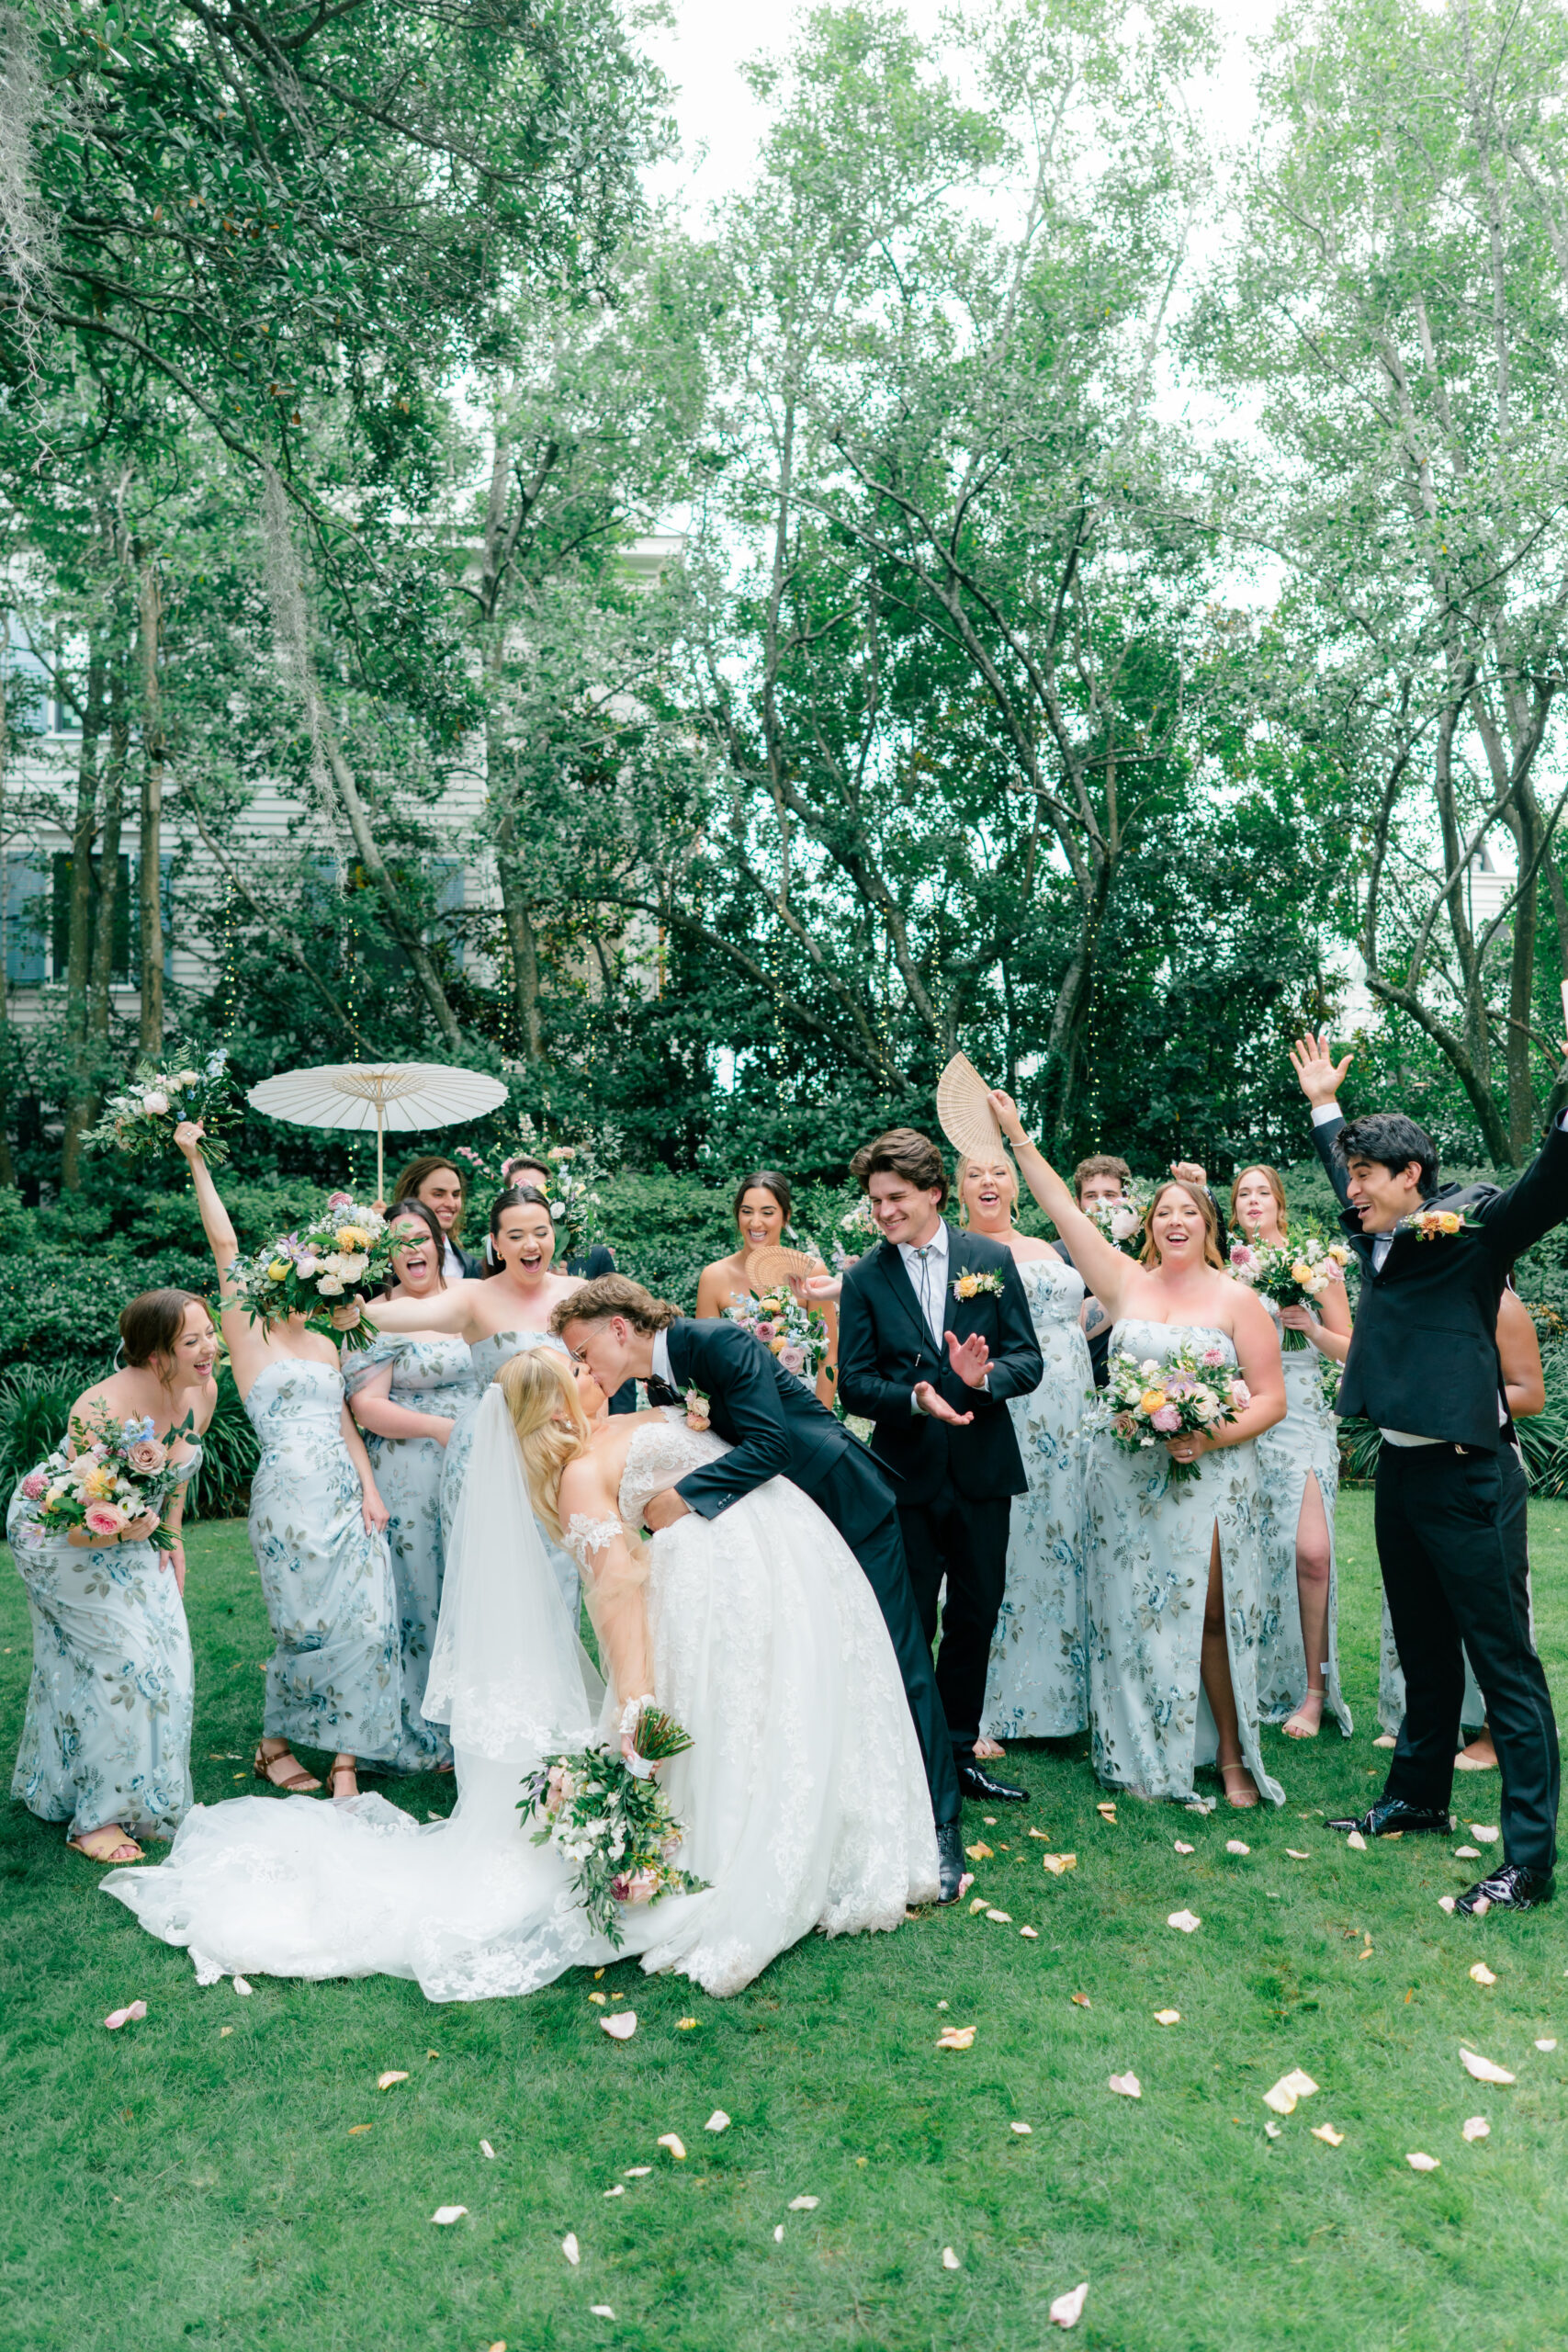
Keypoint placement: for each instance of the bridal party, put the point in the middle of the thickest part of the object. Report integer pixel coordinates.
(757, 1597)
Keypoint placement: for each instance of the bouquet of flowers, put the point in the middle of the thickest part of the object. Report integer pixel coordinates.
(1194, 1390)
(611, 1822)
(143, 1119)
(1122, 1221)
(1293, 1274)
(120, 1472)
(797, 1335)
(860, 1225)
(341, 1256)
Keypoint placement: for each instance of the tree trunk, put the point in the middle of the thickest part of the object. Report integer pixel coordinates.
(150, 973)
(79, 949)
(7, 1170)
(403, 931)
(102, 975)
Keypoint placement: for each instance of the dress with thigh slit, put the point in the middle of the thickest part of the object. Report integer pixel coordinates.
(1149, 1545)
(1304, 1445)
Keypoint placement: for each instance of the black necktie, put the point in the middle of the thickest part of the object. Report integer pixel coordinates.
(660, 1393)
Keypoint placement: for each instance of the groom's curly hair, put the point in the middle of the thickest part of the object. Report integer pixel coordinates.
(609, 1294)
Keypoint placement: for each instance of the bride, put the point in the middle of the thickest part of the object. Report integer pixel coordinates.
(803, 1797)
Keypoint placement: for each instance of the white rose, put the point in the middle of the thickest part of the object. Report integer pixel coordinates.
(1204, 1406)
(558, 1210)
(335, 1263)
(353, 1268)
(1123, 1222)
(329, 1287)
(186, 1078)
(155, 1104)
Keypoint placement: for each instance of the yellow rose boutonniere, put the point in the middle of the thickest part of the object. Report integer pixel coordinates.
(973, 1286)
(1436, 1225)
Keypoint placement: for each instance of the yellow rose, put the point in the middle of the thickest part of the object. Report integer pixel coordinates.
(777, 1347)
(278, 1270)
(97, 1481)
(966, 1285)
(1151, 1400)
(353, 1237)
(1301, 1272)
(1448, 1221)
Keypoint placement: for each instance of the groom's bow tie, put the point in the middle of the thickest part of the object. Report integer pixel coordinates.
(660, 1393)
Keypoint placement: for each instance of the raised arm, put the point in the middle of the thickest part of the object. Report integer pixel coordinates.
(1320, 1078)
(445, 1310)
(216, 1222)
(1104, 1268)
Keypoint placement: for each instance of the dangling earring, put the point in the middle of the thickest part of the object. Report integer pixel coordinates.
(119, 1356)
(490, 1257)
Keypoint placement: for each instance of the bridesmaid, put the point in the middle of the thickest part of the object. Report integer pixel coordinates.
(406, 1394)
(499, 1315)
(1035, 1688)
(317, 1528)
(761, 1212)
(106, 1743)
(437, 1185)
(1157, 1660)
(1298, 1469)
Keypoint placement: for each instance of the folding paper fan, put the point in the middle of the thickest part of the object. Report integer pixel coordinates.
(967, 1119)
(772, 1265)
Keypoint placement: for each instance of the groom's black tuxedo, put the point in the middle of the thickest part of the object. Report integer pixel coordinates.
(1450, 1515)
(776, 1429)
(955, 1486)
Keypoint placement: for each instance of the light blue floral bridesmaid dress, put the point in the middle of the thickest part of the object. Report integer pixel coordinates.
(1305, 1444)
(332, 1681)
(1147, 1578)
(106, 1734)
(487, 1356)
(1036, 1687)
(433, 1375)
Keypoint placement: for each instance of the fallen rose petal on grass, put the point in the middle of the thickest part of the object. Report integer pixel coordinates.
(1057, 1864)
(116, 2017)
(242, 1988)
(619, 2189)
(486, 2150)
(1067, 2310)
(804, 2204)
(1033, 1933)
(354, 2129)
(1546, 2045)
(778, 2235)
(717, 2122)
(1003, 1919)
(1482, 2069)
(1467, 1853)
(1356, 1842)
(385, 2082)
(1186, 1920)
(447, 2214)
(1273, 2129)
(685, 2025)
(1082, 2001)
(979, 1852)
(956, 2037)
(600, 2000)
(1445, 1902)
(600, 2311)
(1168, 2016)
(1385, 1739)
(1420, 2162)
(571, 2248)
(1475, 2127)
(1024, 2131)
(1298, 1853)
(950, 2260)
(638, 2172)
(941, 2005)
(223, 2031)
(979, 1904)
(621, 2027)
(1106, 1812)
(1236, 1845)
(1126, 2086)
(1183, 1848)
(1487, 1832)
(676, 2145)
(1326, 2132)
(1482, 1974)
(964, 1884)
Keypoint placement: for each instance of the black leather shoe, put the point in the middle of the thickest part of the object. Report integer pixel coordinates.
(950, 1858)
(1391, 1814)
(976, 1781)
(1512, 1888)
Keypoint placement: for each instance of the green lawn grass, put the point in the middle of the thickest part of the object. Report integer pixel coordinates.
(197, 2178)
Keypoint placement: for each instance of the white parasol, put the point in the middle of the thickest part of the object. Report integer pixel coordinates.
(380, 1094)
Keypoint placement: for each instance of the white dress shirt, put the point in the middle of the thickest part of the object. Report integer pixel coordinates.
(927, 1270)
(661, 1359)
(451, 1264)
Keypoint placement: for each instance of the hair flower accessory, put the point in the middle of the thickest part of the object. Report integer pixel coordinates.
(974, 1285)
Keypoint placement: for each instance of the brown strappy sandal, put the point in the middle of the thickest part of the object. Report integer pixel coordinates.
(125, 1848)
(332, 1770)
(297, 1783)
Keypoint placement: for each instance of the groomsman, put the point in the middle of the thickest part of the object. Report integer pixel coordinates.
(934, 1336)
(1450, 1493)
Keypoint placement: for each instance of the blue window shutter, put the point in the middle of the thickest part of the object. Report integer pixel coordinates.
(26, 916)
(446, 873)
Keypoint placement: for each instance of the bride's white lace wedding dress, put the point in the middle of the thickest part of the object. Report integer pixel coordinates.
(803, 1793)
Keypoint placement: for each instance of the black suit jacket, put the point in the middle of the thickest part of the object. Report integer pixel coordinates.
(886, 1346)
(775, 1426)
(1424, 1348)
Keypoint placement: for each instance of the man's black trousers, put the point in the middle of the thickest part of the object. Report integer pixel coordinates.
(1451, 1543)
(966, 1543)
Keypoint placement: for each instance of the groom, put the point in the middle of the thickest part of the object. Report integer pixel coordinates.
(775, 1429)
(934, 1336)
(1450, 1511)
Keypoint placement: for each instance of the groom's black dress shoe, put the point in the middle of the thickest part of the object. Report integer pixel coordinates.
(976, 1781)
(1512, 1888)
(950, 1858)
(1391, 1814)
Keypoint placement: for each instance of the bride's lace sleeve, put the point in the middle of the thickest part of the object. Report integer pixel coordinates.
(614, 1574)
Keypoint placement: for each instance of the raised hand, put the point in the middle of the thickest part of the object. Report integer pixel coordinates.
(348, 1316)
(970, 1359)
(933, 1403)
(1008, 1115)
(187, 1138)
(1187, 1171)
(1320, 1075)
(820, 1290)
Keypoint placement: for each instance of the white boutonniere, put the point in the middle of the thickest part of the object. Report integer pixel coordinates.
(974, 1285)
(697, 1416)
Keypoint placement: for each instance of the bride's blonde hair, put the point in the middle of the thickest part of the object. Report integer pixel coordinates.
(540, 1390)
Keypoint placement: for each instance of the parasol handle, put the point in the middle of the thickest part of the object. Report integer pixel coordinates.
(380, 1172)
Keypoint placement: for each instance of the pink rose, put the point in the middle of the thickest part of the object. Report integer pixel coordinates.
(641, 1886)
(104, 1519)
(1243, 1258)
(794, 1360)
(148, 1455)
(34, 1484)
(766, 1331)
(1167, 1420)
(1241, 1394)
(340, 1200)
(1212, 1356)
